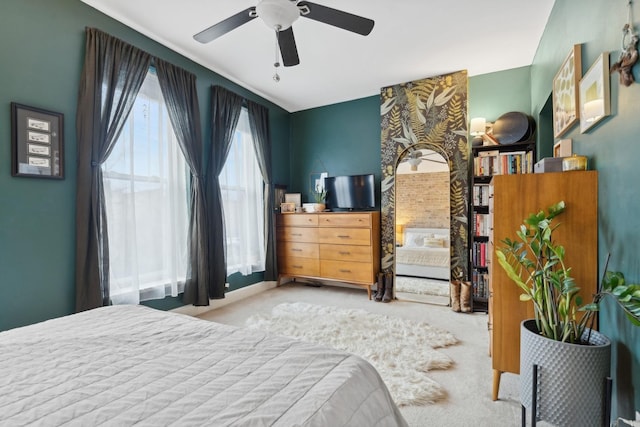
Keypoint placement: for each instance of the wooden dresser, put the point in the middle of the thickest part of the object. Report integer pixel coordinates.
(512, 199)
(338, 246)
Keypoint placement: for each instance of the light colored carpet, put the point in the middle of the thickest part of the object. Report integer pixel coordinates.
(402, 351)
(422, 286)
(468, 382)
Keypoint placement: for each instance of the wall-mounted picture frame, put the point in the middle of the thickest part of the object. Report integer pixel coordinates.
(595, 102)
(565, 92)
(37, 142)
(287, 207)
(563, 148)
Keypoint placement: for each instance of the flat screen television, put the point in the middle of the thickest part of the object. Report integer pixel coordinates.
(350, 192)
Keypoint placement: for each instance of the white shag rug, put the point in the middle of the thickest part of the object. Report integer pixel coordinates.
(401, 350)
(422, 286)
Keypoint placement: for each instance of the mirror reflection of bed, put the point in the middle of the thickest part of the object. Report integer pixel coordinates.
(423, 253)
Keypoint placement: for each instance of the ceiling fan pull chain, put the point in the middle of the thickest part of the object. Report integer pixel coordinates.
(276, 64)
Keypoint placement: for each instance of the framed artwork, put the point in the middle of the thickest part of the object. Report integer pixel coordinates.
(565, 92)
(594, 93)
(37, 143)
(295, 198)
(287, 207)
(562, 148)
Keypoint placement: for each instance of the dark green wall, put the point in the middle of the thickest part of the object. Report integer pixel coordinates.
(613, 150)
(341, 139)
(42, 50)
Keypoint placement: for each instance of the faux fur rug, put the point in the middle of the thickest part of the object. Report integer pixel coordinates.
(401, 350)
(421, 286)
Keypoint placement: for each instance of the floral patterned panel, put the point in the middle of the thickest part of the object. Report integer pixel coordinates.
(428, 113)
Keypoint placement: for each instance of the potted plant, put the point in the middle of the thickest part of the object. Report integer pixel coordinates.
(319, 196)
(560, 340)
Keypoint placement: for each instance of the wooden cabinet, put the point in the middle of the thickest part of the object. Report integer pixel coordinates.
(513, 198)
(339, 246)
(490, 160)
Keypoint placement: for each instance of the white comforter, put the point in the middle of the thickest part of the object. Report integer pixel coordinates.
(434, 257)
(125, 365)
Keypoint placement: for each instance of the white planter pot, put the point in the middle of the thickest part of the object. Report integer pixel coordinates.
(571, 377)
(315, 207)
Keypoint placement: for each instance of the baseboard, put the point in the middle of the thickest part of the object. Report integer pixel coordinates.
(230, 297)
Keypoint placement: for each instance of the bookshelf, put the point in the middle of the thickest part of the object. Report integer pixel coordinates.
(488, 161)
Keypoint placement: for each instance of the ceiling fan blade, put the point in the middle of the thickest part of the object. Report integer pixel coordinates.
(338, 18)
(288, 48)
(223, 27)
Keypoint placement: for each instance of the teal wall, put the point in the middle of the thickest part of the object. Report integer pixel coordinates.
(42, 50)
(613, 150)
(493, 94)
(341, 139)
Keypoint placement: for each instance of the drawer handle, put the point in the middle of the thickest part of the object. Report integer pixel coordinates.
(297, 266)
(296, 234)
(343, 236)
(296, 250)
(344, 253)
(345, 271)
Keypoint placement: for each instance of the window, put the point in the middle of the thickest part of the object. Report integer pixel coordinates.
(243, 203)
(146, 200)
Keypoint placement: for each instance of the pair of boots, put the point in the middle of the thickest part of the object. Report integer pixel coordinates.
(384, 290)
(460, 296)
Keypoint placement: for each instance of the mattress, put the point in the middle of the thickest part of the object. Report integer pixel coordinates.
(125, 365)
(432, 257)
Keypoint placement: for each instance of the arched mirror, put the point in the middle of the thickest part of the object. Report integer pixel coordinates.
(422, 226)
(426, 114)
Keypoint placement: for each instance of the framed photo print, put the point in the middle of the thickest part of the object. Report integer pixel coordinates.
(287, 207)
(37, 143)
(565, 92)
(594, 93)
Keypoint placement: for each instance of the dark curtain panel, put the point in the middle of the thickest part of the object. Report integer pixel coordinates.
(179, 91)
(225, 111)
(259, 122)
(112, 74)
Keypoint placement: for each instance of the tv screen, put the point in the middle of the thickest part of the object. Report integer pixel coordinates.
(350, 192)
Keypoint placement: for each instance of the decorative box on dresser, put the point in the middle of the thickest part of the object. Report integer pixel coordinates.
(512, 199)
(333, 246)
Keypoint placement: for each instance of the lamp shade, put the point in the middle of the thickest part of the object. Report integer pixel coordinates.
(478, 126)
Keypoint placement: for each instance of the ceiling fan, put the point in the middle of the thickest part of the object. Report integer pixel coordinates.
(279, 15)
(418, 156)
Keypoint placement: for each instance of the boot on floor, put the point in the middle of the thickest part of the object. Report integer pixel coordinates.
(388, 287)
(454, 294)
(465, 297)
(379, 287)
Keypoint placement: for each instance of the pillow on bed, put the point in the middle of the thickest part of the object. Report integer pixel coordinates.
(444, 238)
(432, 242)
(415, 239)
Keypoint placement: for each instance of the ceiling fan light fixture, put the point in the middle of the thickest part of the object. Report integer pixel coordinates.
(278, 13)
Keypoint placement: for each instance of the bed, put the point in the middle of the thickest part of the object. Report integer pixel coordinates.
(425, 252)
(125, 365)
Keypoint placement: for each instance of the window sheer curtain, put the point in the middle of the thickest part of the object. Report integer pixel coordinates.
(242, 194)
(181, 97)
(146, 200)
(225, 112)
(112, 75)
(259, 122)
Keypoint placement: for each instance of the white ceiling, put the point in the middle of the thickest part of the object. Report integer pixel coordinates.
(411, 40)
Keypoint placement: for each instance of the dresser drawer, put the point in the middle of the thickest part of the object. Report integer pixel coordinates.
(345, 252)
(299, 266)
(297, 234)
(297, 249)
(347, 271)
(297, 220)
(345, 236)
(344, 220)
